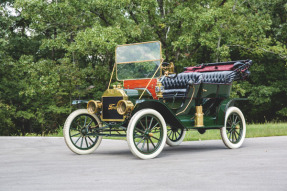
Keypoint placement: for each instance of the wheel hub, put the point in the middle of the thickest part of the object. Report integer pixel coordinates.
(234, 126)
(84, 131)
(147, 133)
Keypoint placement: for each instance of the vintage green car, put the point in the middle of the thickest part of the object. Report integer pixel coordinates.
(152, 105)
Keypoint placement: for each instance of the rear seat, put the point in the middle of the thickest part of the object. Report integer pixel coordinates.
(177, 87)
(225, 77)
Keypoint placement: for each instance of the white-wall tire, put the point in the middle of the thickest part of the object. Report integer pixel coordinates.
(143, 132)
(77, 135)
(234, 130)
(175, 136)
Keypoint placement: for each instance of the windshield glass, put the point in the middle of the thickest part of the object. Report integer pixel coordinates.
(136, 61)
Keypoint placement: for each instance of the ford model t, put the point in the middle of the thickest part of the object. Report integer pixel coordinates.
(152, 104)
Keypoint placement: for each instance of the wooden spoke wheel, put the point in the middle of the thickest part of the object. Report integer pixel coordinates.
(233, 133)
(175, 136)
(146, 134)
(80, 131)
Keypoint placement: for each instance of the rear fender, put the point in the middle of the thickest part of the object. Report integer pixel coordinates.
(223, 108)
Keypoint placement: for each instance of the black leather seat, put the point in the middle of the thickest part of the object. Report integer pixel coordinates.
(225, 77)
(177, 87)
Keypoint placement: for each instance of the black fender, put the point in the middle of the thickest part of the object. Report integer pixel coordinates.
(79, 103)
(224, 105)
(76, 102)
(169, 116)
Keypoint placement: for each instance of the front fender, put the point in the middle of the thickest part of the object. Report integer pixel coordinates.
(169, 116)
(76, 102)
(224, 105)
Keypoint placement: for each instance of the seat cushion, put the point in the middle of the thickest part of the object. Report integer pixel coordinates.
(225, 77)
(177, 86)
(181, 80)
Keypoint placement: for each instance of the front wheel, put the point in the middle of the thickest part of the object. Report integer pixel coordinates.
(146, 134)
(80, 132)
(233, 133)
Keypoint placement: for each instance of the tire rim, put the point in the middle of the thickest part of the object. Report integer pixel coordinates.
(148, 134)
(82, 131)
(173, 134)
(234, 128)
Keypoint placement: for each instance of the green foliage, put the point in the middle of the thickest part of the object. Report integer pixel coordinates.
(253, 130)
(52, 52)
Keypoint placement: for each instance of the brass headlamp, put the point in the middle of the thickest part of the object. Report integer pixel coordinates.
(94, 106)
(124, 106)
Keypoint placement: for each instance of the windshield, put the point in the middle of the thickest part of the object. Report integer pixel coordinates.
(136, 61)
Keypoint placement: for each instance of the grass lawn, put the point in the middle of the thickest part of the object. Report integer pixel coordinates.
(253, 130)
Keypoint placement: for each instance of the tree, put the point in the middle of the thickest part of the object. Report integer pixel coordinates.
(54, 51)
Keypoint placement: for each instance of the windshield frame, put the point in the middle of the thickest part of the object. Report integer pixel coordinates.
(160, 60)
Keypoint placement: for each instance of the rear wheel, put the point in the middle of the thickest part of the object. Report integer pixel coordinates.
(175, 136)
(233, 133)
(80, 131)
(146, 134)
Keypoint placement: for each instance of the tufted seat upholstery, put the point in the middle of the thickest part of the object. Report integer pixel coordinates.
(177, 87)
(181, 80)
(225, 77)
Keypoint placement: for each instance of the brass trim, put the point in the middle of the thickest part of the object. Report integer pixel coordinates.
(138, 43)
(119, 120)
(150, 80)
(188, 102)
(98, 106)
(124, 107)
(198, 120)
(167, 69)
(119, 86)
(159, 94)
(114, 93)
(139, 61)
(161, 59)
(112, 106)
(112, 76)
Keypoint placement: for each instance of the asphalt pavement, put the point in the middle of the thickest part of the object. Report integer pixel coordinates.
(46, 163)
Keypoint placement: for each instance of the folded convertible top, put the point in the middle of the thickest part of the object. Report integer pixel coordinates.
(238, 69)
(216, 67)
